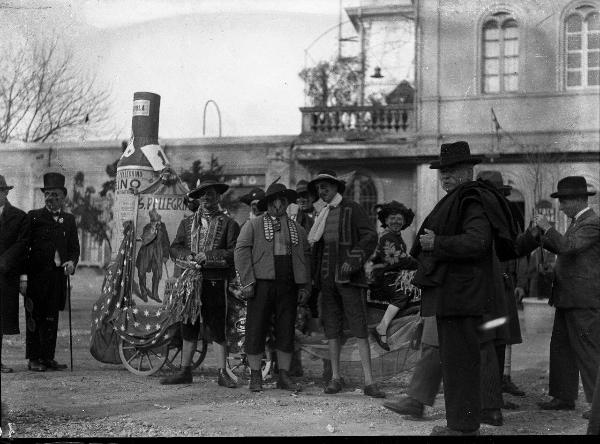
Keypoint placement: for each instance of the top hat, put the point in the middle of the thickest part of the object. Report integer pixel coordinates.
(302, 187)
(253, 195)
(453, 154)
(3, 185)
(52, 181)
(276, 189)
(394, 207)
(208, 181)
(329, 176)
(572, 186)
(495, 178)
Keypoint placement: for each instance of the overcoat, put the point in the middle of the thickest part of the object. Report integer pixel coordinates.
(14, 238)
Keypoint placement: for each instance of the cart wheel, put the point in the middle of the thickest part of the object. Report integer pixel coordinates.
(238, 367)
(142, 361)
(174, 355)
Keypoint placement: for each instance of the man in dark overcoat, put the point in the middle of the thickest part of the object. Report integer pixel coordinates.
(53, 255)
(575, 342)
(455, 248)
(14, 238)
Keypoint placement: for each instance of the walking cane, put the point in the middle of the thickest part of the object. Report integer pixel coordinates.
(70, 328)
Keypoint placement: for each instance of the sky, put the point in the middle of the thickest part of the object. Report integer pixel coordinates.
(243, 54)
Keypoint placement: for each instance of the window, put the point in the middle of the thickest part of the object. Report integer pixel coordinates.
(361, 189)
(500, 53)
(582, 48)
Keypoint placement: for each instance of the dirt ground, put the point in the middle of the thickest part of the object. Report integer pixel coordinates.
(102, 400)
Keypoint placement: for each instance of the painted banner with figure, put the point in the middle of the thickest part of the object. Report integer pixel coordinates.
(158, 217)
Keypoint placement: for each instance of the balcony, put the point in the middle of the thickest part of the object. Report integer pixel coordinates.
(358, 123)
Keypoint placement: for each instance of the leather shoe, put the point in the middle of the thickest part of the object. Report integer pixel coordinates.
(225, 380)
(446, 431)
(255, 381)
(36, 366)
(587, 414)
(373, 391)
(557, 404)
(285, 383)
(4, 369)
(509, 387)
(181, 377)
(51, 364)
(406, 406)
(334, 386)
(491, 417)
(378, 336)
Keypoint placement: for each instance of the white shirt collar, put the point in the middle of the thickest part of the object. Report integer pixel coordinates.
(581, 212)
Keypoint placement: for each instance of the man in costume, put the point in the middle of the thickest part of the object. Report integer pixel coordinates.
(343, 238)
(206, 240)
(14, 239)
(53, 255)
(575, 342)
(272, 257)
(251, 199)
(153, 253)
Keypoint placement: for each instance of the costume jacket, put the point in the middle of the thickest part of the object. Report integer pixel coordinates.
(254, 251)
(576, 272)
(218, 244)
(47, 237)
(356, 242)
(14, 239)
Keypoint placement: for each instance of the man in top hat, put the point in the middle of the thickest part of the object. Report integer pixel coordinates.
(575, 342)
(14, 240)
(208, 239)
(343, 238)
(272, 257)
(251, 199)
(53, 255)
(455, 247)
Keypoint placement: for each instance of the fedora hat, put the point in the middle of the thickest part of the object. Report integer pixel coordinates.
(453, 154)
(206, 182)
(276, 189)
(394, 207)
(329, 176)
(254, 194)
(3, 185)
(53, 181)
(572, 186)
(495, 178)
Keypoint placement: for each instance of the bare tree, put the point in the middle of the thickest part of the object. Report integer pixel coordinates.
(45, 95)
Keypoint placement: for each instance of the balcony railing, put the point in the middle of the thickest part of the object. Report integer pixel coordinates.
(358, 122)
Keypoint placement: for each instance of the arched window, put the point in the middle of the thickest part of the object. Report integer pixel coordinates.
(361, 189)
(500, 54)
(582, 47)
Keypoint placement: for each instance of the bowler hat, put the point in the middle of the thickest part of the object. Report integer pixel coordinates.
(572, 186)
(254, 194)
(328, 176)
(276, 189)
(495, 178)
(3, 185)
(53, 181)
(206, 182)
(453, 154)
(394, 207)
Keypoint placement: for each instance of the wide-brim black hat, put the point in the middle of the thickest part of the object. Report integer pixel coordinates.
(572, 186)
(54, 181)
(207, 182)
(454, 154)
(276, 189)
(329, 176)
(254, 194)
(3, 184)
(394, 207)
(495, 178)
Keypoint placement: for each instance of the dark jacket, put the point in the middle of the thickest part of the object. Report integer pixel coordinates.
(14, 238)
(48, 236)
(356, 242)
(219, 258)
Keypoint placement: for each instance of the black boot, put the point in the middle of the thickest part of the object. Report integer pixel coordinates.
(255, 381)
(284, 382)
(225, 380)
(296, 364)
(183, 376)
